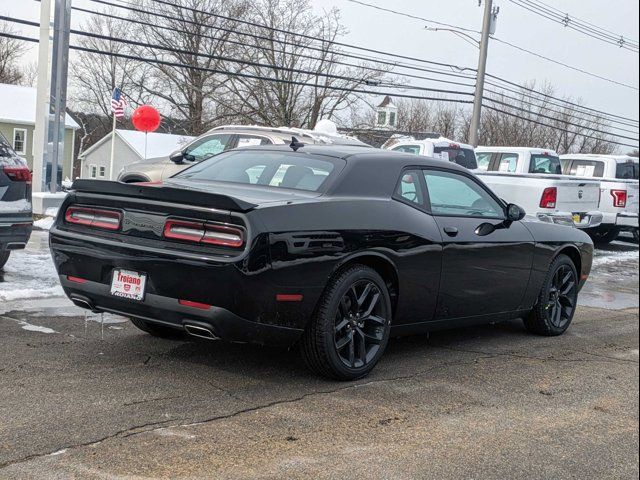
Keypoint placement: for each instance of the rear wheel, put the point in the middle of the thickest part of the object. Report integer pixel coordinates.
(4, 257)
(350, 329)
(557, 301)
(604, 235)
(157, 330)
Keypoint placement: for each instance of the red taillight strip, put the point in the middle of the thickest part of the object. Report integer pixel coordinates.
(549, 197)
(93, 217)
(76, 279)
(209, 233)
(198, 305)
(286, 297)
(18, 174)
(619, 198)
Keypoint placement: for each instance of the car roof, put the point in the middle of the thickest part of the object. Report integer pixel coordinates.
(533, 150)
(593, 156)
(285, 133)
(439, 142)
(353, 154)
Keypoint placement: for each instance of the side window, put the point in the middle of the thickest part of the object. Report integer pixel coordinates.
(483, 159)
(409, 187)
(93, 171)
(627, 171)
(207, 147)
(508, 162)
(452, 194)
(252, 140)
(415, 149)
(102, 171)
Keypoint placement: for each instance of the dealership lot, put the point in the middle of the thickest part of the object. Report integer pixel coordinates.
(103, 400)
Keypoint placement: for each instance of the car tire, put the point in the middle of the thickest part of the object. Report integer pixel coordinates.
(604, 235)
(4, 257)
(157, 330)
(350, 328)
(557, 301)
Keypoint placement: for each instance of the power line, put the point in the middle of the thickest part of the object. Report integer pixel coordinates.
(574, 23)
(595, 75)
(409, 15)
(506, 43)
(244, 44)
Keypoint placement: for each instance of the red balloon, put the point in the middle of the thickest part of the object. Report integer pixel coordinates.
(146, 118)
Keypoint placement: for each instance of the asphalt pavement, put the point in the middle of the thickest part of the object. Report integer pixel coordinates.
(81, 398)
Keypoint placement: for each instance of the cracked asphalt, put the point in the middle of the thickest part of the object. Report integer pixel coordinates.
(103, 401)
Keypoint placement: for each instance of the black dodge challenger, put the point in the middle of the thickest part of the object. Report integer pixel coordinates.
(334, 249)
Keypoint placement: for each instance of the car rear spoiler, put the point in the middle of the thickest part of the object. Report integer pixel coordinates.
(159, 192)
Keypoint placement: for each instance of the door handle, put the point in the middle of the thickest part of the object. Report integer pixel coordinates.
(451, 231)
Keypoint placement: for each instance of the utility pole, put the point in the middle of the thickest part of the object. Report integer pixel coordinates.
(53, 63)
(488, 27)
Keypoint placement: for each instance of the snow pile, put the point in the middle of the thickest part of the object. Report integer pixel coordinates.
(604, 257)
(44, 223)
(15, 206)
(30, 274)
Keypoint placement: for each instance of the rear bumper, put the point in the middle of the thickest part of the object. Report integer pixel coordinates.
(587, 220)
(627, 220)
(168, 312)
(15, 230)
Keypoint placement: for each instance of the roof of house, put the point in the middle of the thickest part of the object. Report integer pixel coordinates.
(158, 144)
(386, 102)
(18, 105)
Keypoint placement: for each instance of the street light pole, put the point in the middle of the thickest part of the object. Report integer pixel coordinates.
(489, 14)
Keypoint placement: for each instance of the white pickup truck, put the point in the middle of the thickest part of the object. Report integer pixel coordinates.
(436, 147)
(532, 178)
(618, 176)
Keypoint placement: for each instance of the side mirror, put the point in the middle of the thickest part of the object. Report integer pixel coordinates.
(515, 213)
(485, 229)
(177, 157)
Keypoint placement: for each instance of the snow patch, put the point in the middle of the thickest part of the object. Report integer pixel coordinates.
(15, 206)
(44, 223)
(36, 328)
(605, 258)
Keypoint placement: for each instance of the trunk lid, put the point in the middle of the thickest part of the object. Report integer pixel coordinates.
(578, 196)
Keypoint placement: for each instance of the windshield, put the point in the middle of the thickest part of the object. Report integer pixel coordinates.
(464, 157)
(279, 169)
(545, 164)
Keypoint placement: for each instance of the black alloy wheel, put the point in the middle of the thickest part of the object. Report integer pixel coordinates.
(350, 328)
(557, 301)
(360, 324)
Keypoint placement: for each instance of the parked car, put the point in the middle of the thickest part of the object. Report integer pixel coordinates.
(437, 147)
(618, 175)
(532, 178)
(222, 139)
(16, 217)
(347, 247)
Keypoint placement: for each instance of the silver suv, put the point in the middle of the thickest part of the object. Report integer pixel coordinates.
(221, 139)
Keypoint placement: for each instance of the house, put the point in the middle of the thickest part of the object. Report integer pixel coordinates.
(129, 148)
(386, 114)
(18, 120)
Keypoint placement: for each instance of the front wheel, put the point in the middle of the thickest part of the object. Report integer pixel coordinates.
(557, 301)
(350, 328)
(4, 257)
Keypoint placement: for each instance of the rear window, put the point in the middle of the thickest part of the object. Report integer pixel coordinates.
(9, 158)
(545, 164)
(415, 149)
(268, 168)
(627, 171)
(585, 168)
(464, 157)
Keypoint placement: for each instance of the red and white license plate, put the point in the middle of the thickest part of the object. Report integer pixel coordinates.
(128, 284)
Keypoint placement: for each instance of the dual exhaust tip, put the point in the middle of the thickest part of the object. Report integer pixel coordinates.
(200, 330)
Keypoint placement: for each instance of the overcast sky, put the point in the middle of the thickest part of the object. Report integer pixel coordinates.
(384, 31)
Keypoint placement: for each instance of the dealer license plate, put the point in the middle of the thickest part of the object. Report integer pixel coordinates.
(577, 218)
(128, 284)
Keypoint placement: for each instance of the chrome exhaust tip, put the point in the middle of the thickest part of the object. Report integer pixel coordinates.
(83, 303)
(200, 331)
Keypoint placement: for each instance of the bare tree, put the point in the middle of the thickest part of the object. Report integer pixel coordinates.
(11, 51)
(285, 82)
(93, 76)
(187, 72)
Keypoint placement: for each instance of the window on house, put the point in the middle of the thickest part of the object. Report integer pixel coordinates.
(20, 140)
(382, 118)
(93, 171)
(102, 172)
(392, 119)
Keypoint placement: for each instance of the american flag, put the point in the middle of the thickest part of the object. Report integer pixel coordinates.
(118, 103)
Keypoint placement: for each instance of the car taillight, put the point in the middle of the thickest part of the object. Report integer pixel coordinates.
(196, 232)
(93, 217)
(17, 174)
(619, 198)
(549, 197)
